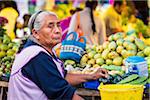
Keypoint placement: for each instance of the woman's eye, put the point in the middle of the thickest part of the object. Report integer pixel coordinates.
(51, 26)
(58, 25)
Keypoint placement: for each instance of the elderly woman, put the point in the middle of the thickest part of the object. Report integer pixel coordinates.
(37, 74)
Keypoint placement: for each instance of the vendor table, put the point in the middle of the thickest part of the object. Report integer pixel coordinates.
(93, 94)
(3, 89)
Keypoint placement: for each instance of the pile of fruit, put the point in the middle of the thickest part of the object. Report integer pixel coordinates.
(114, 51)
(110, 55)
(8, 49)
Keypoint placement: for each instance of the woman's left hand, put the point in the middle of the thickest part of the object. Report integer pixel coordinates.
(99, 72)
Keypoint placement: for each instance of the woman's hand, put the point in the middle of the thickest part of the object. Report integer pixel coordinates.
(98, 73)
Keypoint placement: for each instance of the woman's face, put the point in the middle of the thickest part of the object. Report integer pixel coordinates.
(50, 33)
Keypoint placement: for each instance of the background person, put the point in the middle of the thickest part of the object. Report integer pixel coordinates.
(112, 17)
(92, 26)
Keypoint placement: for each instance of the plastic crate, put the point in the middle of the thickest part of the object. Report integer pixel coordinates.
(92, 84)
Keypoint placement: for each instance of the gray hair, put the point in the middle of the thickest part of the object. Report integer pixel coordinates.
(36, 21)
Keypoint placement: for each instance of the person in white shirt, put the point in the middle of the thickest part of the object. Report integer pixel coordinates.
(92, 26)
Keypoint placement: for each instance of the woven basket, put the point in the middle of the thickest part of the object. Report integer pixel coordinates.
(72, 48)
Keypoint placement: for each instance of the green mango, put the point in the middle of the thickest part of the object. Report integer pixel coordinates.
(109, 61)
(100, 61)
(117, 61)
(140, 44)
(2, 54)
(4, 47)
(111, 38)
(113, 54)
(112, 45)
(120, 42)
(105, 45)
(117, 36)
(10, 52)
(141, 53)
(119, 49)
(6, 39)
(147, 51)
(105, 54)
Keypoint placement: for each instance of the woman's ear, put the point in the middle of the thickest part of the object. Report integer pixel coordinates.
(35, 33)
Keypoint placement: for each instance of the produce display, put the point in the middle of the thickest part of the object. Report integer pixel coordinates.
(114, 51)
(8, 49)
(111, 55)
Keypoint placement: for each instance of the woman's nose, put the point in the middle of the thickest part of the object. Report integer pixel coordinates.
(57, 29)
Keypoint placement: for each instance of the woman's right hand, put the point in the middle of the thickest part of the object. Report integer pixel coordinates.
(98, 73)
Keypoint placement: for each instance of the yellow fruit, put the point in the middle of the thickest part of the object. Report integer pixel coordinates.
(2, 54)
(10, 52)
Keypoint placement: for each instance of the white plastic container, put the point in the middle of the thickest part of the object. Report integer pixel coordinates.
(136, 65)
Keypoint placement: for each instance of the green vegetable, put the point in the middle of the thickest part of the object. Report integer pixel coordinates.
(139, 80)
(148, 80)
(128, 79)
(113, 67)
(144, 82)
(117, 78)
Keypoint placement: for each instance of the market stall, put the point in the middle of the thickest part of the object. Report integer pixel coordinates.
(126, 56)
(116, 55)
